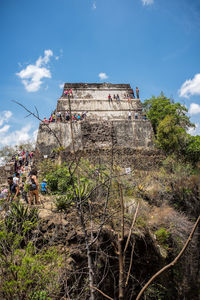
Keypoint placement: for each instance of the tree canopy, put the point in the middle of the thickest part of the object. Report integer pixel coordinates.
(170, 123)
(170, 136)
(157, 108)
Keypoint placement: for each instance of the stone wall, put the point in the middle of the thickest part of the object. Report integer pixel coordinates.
(98, 91)
(135, 134)
(125, 157)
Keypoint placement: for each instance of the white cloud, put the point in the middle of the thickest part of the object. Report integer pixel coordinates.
(194, 131)
(5, 128)
(194, 109)
(35, 133)
(147, 2)
(44, 60)
(61, 86)
(190, 87)
(32, 75)
(5, 116)
(16, 137)
(94, 6)
(103, 76)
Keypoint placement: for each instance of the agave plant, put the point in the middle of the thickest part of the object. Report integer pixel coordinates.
(21, 219)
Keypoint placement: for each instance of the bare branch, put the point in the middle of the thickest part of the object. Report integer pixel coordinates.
(37, 111)
(102, 293)
(28, 116)
(130, 265)
(122, 210)
(37, 117)
(130, 231)
(173, 262)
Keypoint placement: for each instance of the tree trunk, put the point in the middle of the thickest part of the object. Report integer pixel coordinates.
(91, 274)
(121, 270)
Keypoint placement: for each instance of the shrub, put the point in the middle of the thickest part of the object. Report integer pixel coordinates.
(64, 203)
(31, 276)
(21, 219)
(162, 235)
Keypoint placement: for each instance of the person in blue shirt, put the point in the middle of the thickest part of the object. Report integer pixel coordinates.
(43, 186)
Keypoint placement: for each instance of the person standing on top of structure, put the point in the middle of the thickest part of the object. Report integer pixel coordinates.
(70, 93)
(132, 93)
(129, 115)
(137, 92)
(118, 99)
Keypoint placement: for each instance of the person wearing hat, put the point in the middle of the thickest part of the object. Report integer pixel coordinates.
(43, 187)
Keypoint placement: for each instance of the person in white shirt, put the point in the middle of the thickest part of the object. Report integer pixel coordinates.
(16, 178)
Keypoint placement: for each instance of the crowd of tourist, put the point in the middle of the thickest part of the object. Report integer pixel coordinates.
(22, 159)
(136, 116)
(128, 96)
(64, 117)
(23, 182)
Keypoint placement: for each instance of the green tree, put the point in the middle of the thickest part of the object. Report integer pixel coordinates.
(157, 108)
(192, 149)
(171, 137)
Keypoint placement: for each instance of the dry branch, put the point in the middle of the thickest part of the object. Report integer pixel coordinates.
(102, 293)
(37, 117)
(130, 231)
(173, 262)
(130, 265)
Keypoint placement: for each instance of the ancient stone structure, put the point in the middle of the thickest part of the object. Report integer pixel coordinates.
(106, 124)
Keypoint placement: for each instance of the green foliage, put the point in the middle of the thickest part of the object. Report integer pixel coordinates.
(157, 108)
(39, 295)
(156, 291)
(80, 194)
(28, 275)
(64, 203)
(170, 122)
(192, 149)
(59, 180)
(45, 167)
(141, 222)
(176, 167)
(24, 273)
(170, 136)
(162, 236)
(21, 219)
(58, 150)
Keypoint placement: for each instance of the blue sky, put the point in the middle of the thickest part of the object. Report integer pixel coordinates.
(153, 44)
